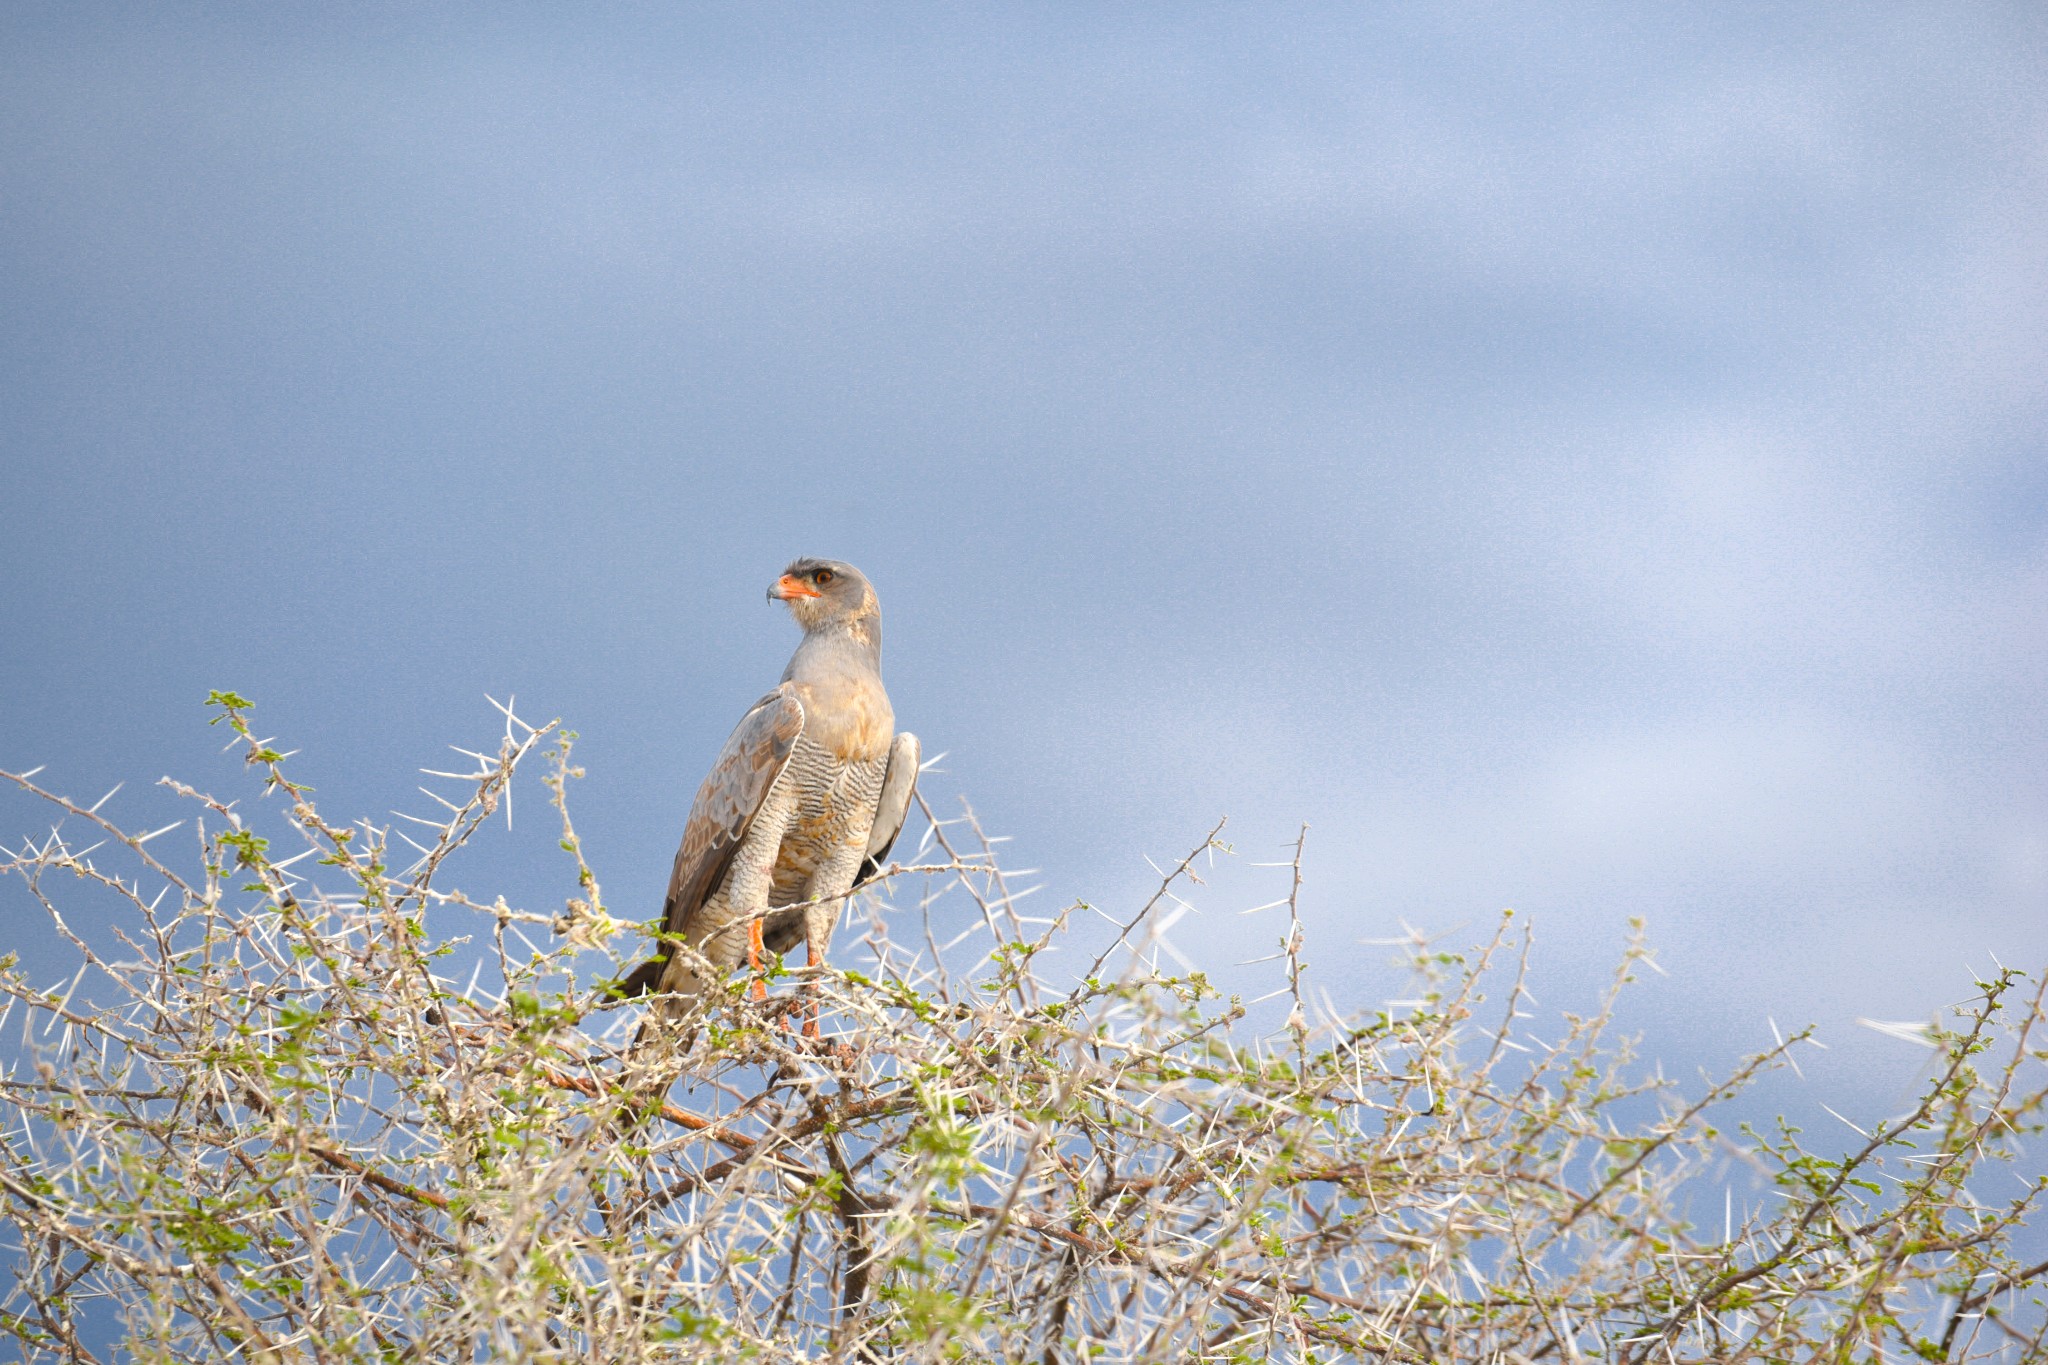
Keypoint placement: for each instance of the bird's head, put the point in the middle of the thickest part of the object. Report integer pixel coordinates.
(824, 593)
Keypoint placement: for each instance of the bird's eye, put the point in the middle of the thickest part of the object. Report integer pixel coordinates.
(824, 577)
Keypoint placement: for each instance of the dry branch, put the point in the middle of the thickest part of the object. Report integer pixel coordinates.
(264, 1116)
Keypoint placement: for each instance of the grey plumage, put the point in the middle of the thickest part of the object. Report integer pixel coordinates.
(898, 787)
(784, 928)
(803, 802)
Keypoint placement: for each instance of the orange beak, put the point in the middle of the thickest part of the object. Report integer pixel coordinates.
(788, 588)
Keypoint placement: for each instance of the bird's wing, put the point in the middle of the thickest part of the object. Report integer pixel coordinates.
(898, 785)
(753, 757)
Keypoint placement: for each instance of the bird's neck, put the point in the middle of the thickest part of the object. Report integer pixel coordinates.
(842, 650)
(837, 672)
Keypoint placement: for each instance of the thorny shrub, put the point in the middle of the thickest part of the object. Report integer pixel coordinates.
(263, 1121)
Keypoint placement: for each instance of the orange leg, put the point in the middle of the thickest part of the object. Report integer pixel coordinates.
(814, 958)
(756, 952)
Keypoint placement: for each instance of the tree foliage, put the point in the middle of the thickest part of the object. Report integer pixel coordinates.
(268, 1118)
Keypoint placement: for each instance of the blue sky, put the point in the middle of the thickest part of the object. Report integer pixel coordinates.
(1580, 458)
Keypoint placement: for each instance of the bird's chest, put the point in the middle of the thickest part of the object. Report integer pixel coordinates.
(832, 809)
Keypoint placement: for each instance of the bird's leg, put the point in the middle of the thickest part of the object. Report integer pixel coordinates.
(756, 950)
(812, 958)
(842, 1053)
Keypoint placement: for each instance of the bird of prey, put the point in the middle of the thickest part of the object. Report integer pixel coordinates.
(802, 804)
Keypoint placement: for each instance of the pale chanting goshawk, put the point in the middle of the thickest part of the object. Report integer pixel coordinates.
(803, 803)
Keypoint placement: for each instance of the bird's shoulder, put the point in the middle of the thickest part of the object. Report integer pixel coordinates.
(754, 754)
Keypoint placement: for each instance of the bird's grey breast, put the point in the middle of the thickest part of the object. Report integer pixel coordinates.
(838, 678)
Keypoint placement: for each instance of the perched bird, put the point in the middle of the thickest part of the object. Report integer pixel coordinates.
(803, 803)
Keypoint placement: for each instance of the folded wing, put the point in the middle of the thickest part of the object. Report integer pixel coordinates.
(898, 786)
(753, 757)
